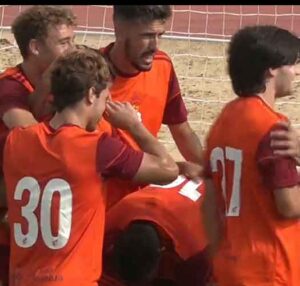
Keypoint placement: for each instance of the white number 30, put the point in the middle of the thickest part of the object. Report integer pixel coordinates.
(28, 239)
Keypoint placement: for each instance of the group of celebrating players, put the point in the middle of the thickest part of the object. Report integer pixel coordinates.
(95, 199)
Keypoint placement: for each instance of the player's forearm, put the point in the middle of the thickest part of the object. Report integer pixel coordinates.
(148, 143)
(211, 218)
(190, 147)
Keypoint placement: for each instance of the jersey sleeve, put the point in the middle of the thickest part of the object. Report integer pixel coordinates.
(175, 110)
(117, 159)
(277, 171)
(12, 95)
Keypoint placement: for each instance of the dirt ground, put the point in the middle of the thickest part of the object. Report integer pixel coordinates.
(201, 69)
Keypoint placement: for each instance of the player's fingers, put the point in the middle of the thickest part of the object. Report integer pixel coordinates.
(284, 152)
(279, 134)
(280, 144)
(112, 106)
(283, 124)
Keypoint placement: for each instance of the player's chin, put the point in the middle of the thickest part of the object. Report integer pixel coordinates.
(285, 93)
(145, 67)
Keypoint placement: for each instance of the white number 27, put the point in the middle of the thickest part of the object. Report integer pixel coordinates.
(235, 155)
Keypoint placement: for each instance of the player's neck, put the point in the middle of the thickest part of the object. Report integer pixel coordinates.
(268, 96)
(31, 72)
(119, 60)
(68, 117)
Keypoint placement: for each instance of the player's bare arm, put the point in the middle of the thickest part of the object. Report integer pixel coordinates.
(286, 141)
(187, 142)
(288, 201)
(211, 218)
(17, 117)
(157, 165)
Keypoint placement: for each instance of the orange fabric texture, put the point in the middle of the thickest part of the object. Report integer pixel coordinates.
(60, 206)
(177, 215)
(15, 73)
(258, 247)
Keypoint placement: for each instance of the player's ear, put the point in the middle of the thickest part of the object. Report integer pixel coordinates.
(34, 47)
(91, 95)
(271, 72)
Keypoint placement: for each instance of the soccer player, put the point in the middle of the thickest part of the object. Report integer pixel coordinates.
(56, 196)
(144, 76)
(155, 237)
(252, 202)
(42, 33)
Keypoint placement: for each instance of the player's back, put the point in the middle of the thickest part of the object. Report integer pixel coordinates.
(258, 246)
(175, 209)
(56, 206)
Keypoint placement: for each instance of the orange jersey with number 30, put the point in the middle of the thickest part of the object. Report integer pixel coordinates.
(56, 206)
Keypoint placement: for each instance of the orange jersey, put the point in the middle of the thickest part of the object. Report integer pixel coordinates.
(150, 92)
(258, 247)
(16, 74)
(156, 96)
(56, 206)
(175, 208)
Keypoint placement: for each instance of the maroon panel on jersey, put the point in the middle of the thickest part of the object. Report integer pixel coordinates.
(175, 110)
(12, 95)
(277, 171)
(116, 159)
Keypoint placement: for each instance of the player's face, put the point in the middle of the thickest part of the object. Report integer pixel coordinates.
(98, 109)
(60, 38)
(141, 43)
(284, 80)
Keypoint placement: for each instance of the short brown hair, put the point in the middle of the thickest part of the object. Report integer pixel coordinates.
(34, 23)
(74, 73)
(142, 13)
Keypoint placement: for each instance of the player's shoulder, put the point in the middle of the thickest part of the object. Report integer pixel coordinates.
(161, 56)
(19, 130)
(22, 135)
(11, 81)
(10, 84)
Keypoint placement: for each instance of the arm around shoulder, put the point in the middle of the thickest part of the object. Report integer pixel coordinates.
(279, 175)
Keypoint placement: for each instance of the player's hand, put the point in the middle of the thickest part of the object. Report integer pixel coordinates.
(285, 141)
(121, 115)
(190, 170)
